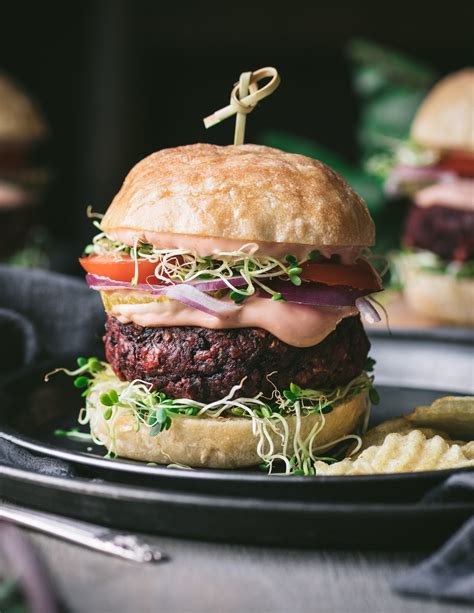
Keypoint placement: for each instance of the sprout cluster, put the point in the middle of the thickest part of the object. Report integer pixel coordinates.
(107, 398)
(181, 265)
(427, 261)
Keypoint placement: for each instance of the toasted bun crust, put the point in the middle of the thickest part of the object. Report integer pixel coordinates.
(245, 192)
(226, 442)
(445, 120)
(440, 296)
(20, 120)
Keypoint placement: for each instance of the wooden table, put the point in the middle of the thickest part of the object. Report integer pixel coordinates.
(208, 578)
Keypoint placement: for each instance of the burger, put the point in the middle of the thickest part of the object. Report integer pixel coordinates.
(436, 267)
(22, 130)
(233, 279)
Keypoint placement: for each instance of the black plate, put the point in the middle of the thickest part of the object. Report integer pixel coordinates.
(232, 505)
(255, 520)
(442, 333)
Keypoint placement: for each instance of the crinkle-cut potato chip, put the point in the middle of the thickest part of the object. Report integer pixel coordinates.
(400, 453)
(376, 435)
(453, 414)
(468, 449)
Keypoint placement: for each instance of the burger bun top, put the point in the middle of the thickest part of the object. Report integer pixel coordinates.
(245, 192)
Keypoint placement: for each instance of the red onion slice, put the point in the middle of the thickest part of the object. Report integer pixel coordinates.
(318, 294)
(368, 311)
(193, 297)
(104, 283)
(403, 173)
(192, 294)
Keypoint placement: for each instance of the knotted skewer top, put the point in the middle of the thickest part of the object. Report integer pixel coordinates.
(242, 102)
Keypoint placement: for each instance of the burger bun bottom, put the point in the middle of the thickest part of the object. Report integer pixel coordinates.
(439, 296)
(223, 442)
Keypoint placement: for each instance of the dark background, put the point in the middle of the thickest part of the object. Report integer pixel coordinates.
(119, 79)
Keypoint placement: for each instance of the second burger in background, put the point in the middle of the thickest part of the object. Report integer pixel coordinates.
(22, 130)
(232, 278)
(437, 266)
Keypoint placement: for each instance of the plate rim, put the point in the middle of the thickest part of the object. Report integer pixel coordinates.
(139, 493)
(209, 474)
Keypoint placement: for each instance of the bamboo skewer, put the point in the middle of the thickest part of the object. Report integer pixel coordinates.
(242, 102)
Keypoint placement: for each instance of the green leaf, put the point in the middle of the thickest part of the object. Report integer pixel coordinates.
(81, 381)
(295, 270)
(374, 396)
(327, 459)
(369, 364)
(113, 396)
(106, 400)
(290, 396)
(327, 409)
(466, 271)
(236, 297)
(95, 365)
(192, 411)
(295, 279)
(156, 429)
(161, 415)
(81, 361)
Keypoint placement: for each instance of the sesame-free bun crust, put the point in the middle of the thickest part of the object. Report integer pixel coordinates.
(244, 192)
(439, 296)
(224, 442)
(445, 120)
(20, 119)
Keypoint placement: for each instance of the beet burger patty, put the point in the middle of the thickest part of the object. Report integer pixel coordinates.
(205, 364)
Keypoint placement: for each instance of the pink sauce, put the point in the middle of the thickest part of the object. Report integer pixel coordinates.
(204, 245)
(458, 195)
(294, 324)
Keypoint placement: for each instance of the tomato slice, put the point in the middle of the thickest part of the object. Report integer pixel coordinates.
(359, 275)
(460, 162)
(119, 270)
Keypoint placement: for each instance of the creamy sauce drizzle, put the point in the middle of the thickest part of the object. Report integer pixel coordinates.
(294, 324)
(205, 245)
(458, 195)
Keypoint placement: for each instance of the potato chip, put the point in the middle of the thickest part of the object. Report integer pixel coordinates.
(468, 450)
(376, 435)
(400, 453)
(452, 414)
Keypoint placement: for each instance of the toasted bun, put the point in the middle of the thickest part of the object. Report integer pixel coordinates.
(225, 442)
(20, 120)
(245, 192)
(440, 296)
(445, 120)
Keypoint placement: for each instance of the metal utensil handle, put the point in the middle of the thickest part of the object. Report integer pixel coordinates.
(124, 545)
